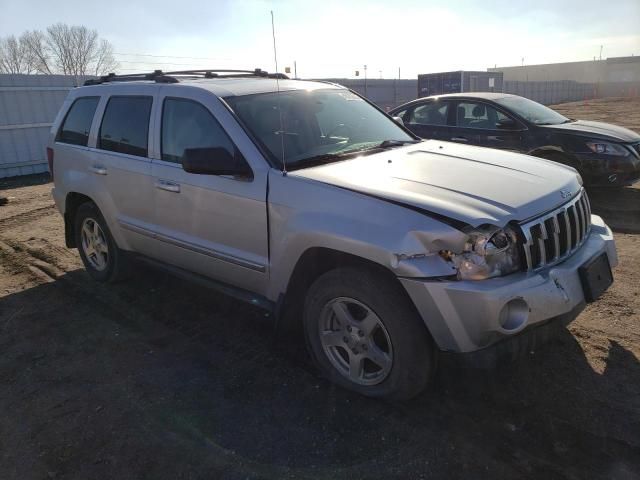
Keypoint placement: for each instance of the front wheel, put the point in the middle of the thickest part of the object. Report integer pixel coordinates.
(364, 334)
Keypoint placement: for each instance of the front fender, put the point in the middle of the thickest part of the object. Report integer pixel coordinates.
(305, 214)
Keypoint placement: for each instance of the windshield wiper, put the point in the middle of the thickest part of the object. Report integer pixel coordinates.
(331, 157)
(395, 143)
(324, 158)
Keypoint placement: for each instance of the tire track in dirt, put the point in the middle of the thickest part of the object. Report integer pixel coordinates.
(19, 259)
(23, 218)
(253, 355)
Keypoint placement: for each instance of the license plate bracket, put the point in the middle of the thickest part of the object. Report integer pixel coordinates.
(596, 277)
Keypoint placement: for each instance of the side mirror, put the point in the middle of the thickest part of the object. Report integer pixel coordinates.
(399, 120)
(214, 161)
(507, 124)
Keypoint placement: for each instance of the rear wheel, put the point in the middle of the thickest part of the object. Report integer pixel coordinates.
(364, 334)
(100, 255)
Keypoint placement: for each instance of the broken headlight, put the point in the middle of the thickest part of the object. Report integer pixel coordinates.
(488, 252)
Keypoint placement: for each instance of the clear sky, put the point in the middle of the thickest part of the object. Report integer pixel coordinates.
(334, 38)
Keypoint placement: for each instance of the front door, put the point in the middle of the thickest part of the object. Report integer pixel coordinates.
(479, 123)
(208, 224)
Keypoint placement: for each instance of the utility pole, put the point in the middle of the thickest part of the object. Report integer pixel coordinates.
(295, 69)
(601, 52)
(365, 80)
(395, 92)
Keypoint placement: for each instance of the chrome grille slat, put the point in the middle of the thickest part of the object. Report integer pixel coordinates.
(568, 234)
(541, 245)
(556, 237)
(587, 211)
(580, 219)
(588, 204)
(576, 225)
(527, 249)
(545, 241)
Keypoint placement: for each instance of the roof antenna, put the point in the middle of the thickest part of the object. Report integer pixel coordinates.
(275, 58)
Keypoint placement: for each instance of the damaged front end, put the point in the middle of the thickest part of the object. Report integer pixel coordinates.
(488, 252)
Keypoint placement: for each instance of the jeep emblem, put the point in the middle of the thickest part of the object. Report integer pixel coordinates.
(565, 193)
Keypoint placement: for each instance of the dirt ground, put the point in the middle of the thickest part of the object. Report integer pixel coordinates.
(155, 378)
(621, 111)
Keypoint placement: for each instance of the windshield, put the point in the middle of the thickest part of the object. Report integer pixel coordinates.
(532, 111)
(322, 124)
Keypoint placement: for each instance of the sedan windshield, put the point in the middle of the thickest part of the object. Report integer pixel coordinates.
(317, 126)
(532, 111)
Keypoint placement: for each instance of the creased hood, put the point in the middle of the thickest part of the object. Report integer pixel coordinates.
(473, 185)
(598, 130)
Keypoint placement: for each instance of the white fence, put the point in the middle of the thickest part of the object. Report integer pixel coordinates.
(28, 106)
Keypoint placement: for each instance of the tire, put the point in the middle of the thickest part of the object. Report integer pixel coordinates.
(106, 263)
(558, 157)
(363, 334)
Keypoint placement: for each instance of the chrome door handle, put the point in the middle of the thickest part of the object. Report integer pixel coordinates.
(98, 170)
(168, 186)
(459, 139)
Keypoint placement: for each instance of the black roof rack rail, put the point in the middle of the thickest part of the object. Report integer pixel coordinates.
(159, 76)
(156, 75)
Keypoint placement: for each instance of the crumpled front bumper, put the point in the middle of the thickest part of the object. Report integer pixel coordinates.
(465, 316)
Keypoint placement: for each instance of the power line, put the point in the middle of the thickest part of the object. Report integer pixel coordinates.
(159, 63)
(169, 56)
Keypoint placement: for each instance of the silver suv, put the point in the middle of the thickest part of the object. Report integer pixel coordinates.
(304, 198)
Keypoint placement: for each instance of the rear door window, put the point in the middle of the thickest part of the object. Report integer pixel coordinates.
(125, 125)
(188, 124)
(77, 124)
(432, 113)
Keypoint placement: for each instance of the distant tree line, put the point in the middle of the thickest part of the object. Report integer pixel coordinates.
(60, 49)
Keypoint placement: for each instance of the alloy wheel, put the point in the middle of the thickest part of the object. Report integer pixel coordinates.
(355, 341)
(94, 244)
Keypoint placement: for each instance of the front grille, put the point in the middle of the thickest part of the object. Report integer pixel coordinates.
(556, 235)
(637, 148)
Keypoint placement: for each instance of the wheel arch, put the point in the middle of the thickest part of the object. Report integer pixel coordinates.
(72, 202)
(314, 262)
(554, 154)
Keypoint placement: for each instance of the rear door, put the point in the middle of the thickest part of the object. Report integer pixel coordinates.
(120, 160)
(480, 123)
(209, 224)
(428, 119)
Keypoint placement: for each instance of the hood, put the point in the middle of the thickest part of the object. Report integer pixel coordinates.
(469, 184)
(598, 130)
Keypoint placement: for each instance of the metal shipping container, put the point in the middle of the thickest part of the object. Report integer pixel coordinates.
(457, 82)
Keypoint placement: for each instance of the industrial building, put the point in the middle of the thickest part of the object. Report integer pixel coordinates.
(457, 82)
(610, 70)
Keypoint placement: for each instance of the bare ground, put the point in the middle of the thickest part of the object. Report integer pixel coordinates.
(622, 111)
(155, 378)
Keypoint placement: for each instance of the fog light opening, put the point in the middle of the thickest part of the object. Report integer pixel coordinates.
(514, 315)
